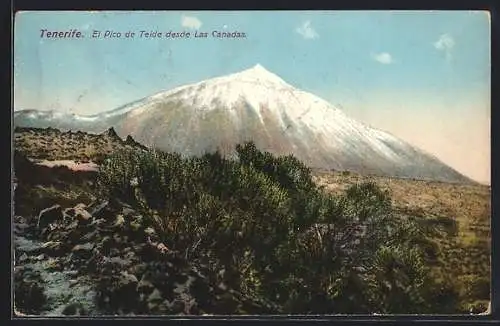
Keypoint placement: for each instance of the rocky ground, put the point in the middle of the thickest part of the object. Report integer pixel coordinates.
(104, 259)
(53, 144)
(78, 254)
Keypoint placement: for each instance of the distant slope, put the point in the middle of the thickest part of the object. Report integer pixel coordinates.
(256, 105)
(53, 144)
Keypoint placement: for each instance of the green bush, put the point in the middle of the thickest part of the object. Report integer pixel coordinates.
(285, 241)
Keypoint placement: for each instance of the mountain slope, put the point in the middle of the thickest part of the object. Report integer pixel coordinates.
(257, 105)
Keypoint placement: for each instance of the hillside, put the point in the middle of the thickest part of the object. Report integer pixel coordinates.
(255, 105)
(466, 257)
(80, 237)
(53, 144)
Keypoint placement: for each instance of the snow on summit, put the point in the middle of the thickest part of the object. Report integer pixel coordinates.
(253, 85)
(258, 105)
(257, 87)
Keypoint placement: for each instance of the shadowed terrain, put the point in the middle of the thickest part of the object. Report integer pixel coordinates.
(81, 250)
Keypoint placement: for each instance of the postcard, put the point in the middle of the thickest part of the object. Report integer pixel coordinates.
(217, 163)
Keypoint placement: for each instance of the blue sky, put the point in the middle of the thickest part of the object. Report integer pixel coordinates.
(404, 72)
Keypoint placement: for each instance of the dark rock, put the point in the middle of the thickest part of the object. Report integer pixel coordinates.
(23, 258)
(18, 219)
(74, 309)
(168, 285)
(29, 296)
(149, 231)
(71, 226)
(155, 297)
(55, 264)
(128, 210)
(46, 232)
(118, 292)
(127, 278)
(40, 257)
(83, 247)
(82, 215)
(73, 283)
(105, 244)
(114, 252)
(71, 273)
(119, 262)
(98, 222)
(90, 236)
(138, 247)
(111, 133)
(118, 238)
(130, 257)
(68, 213)
(59, 235)
(145, 286)
(49, 215)
(54, 248)
(79, 213)
(20, 228)
(132, 142)
(137, 268)
(101, 210)
(75, 236)
(83, 251)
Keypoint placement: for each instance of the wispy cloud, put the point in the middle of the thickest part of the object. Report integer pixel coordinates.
(190, 22)
(445, 43)
(384, 58)
(307, 31)
(85, 27)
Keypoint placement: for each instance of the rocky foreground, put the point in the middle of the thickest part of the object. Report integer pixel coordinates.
(104, 259)
(78, 254)
(75, 255)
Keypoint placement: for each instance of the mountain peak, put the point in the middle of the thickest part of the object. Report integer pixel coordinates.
(112, 133)
(255, 104)
(259, 68)
(260, 74)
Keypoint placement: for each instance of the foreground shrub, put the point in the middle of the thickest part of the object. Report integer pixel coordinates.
(279, 238)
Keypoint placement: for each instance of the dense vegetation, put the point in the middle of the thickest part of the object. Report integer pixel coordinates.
(279, 238)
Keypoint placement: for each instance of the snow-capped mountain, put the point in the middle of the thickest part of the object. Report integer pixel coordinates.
(257, 105)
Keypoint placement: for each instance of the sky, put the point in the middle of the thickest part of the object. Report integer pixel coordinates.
(423, 76)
